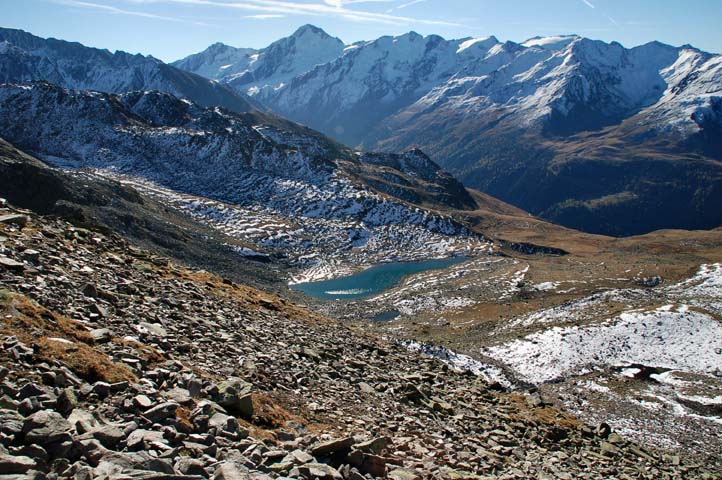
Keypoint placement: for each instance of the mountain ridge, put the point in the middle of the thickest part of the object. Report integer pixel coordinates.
(252, 68)
(489, 111)
(284, 190)
(26, 57)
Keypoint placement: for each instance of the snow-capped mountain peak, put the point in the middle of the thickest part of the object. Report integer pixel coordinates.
(309, 30)
(553, 43)
(483, 43)
(248, 70)
(217, 61)
(471, 99)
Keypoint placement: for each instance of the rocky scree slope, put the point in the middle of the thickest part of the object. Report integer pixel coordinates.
(289, 190)
(25, 57)
(535, 124)
(116, 363)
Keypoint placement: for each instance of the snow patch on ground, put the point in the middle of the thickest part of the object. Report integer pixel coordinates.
(490, 373)
(544, 286)
(676, 339)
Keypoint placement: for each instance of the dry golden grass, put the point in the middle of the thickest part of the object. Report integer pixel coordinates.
(39, 327)
(183, 415)
(267, 413)
(544, 415)
(149, 354)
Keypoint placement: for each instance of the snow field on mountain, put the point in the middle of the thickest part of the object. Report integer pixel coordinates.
(668, 337)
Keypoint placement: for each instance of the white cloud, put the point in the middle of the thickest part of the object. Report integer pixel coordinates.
(119, 11)
(264, 16)
(408, 4)
(341, 3)
(589, 4)
(329, 8)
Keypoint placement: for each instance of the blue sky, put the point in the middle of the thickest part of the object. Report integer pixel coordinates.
(171, 29)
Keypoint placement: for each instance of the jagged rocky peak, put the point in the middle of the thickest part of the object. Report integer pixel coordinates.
(23, 39)
(412, 161)
(311, 30)
(158, 108)
(404, 42)
(305, 48)
(217, 61)
(220, 47)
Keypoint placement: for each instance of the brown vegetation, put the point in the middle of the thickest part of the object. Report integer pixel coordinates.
(57, 338)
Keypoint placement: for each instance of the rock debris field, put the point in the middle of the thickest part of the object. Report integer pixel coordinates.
(118, 364)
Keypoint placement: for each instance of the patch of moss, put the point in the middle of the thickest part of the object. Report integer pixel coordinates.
(5, 296)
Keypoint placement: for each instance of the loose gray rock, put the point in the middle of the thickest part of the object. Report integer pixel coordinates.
(230, 471)
(101, 335)
(161, 412)
(45, 427)
(10, 464)
(320, 471)
(332, 446)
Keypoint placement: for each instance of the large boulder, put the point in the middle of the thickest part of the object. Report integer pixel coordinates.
(332, 446)
(49, 430)
(230, 471)
(235, 395)
(320, 471)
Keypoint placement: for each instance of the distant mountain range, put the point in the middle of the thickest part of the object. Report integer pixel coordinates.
(248, 69)
(25, 57)
(585, 133)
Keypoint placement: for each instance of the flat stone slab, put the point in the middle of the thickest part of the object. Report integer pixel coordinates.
(14, 219)
(10, 264)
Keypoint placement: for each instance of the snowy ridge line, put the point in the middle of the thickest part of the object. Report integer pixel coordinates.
(29, 58)
(672, 87)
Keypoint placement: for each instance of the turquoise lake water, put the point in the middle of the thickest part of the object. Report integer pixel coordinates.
(371, 281)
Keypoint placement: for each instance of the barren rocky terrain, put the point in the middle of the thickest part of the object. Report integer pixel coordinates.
(120, 364)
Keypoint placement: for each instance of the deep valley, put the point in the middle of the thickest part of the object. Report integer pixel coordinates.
(503, 262)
